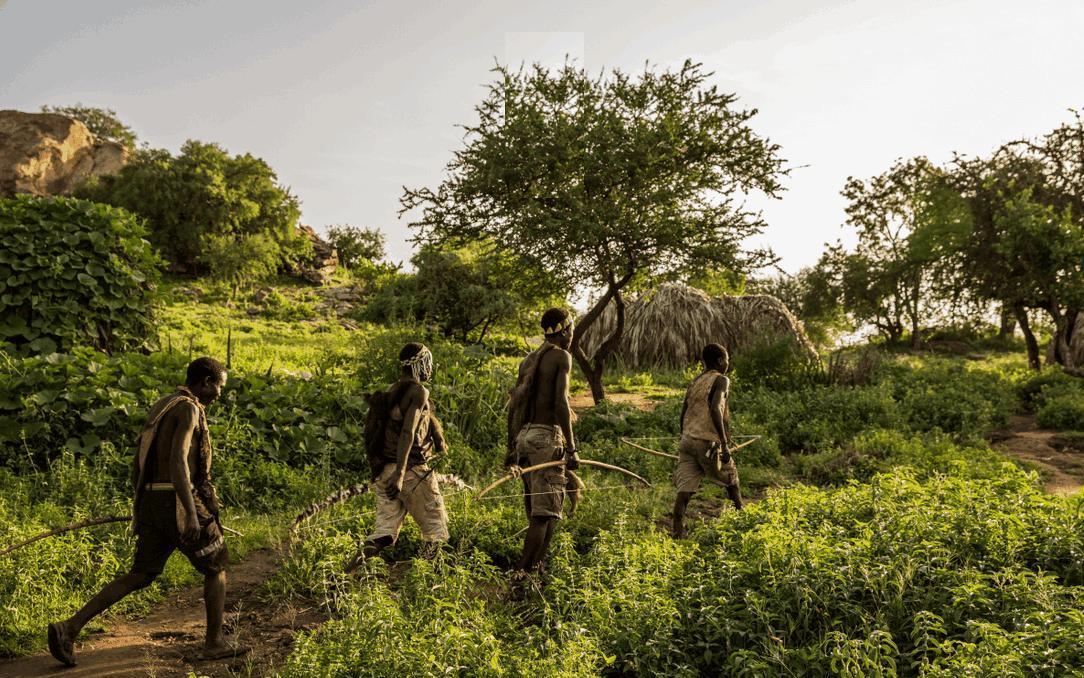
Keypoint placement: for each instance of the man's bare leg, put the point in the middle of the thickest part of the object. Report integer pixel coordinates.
(63, 634)
(680, 504)
(734, 492)
(214, 598)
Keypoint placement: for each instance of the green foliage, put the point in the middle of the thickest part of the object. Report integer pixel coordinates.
(1065, 413)
(357, 245)
(71, 273)
(102, 123)
(240, 261)
(602, 181)
(201, 193)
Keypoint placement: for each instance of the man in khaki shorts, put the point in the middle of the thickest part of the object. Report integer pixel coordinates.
(540, 430)
(405, 482)
(705, 436)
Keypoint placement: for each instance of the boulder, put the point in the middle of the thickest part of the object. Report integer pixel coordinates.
(320, 267)
(50, 154)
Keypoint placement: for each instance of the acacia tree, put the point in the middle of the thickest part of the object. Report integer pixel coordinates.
(595, 181)
(1023, 242)
(886, 281)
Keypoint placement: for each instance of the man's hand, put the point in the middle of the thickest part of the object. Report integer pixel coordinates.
(191, 527)
(572, 460)
(516, 470)
(395, 486)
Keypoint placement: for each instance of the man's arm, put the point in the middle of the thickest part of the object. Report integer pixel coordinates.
(186, 419)
(684, 409)
(717, 399)
(416, 397)
(562, 409)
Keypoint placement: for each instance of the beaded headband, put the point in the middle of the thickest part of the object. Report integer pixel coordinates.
(420, 364)
(559, 327)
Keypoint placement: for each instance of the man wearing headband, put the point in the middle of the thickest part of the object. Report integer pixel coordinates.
(544, 433)
(406, 483)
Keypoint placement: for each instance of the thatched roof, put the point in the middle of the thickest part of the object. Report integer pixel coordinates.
(669, 326)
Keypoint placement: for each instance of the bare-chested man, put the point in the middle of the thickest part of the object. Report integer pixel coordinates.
(403, 480)
(545, 435)
(705, 436)
(175, 508)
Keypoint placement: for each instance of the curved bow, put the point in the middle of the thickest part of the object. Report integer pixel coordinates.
(551, 464)
(657, 453)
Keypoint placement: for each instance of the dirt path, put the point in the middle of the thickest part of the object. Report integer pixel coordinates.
(167, 641)
(1061, 463)
(583, 401)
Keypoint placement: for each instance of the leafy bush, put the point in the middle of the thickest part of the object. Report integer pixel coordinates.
(72, 273)
(102, 123)
(1064, 413)
(775, 364)
(240, 261)
(356, 245)
(202, 192)
(954, 398)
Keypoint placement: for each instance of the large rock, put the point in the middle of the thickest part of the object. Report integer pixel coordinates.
(51, 154)
(325, 259)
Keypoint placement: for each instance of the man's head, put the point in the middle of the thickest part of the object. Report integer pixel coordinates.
(205, 379)
(557, 326)
(417, 360)
(715, 357)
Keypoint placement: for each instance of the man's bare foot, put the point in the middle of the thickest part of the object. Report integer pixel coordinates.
(61, 643)
(223, 650)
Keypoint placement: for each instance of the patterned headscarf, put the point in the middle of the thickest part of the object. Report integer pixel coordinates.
(421, 364)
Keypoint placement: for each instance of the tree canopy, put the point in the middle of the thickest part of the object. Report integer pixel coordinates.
(201, 193)
(595, 180)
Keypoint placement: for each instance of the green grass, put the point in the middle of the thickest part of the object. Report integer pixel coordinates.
(886, 538)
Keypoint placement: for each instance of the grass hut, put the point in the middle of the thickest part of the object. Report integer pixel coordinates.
(669, 326)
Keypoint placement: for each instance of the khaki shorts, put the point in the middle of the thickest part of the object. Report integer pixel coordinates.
(545, 489)
(421, 498)
(693, 464)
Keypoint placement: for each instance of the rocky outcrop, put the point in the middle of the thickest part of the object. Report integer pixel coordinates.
(50, 154)
(320, 267)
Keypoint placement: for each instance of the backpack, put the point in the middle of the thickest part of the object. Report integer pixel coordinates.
(521, 397)
(377, 417)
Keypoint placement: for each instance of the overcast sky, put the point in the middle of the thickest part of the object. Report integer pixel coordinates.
(349, 101)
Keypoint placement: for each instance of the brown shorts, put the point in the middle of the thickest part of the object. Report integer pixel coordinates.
(420, 497)
(545, 489)
(693, 464)
(157, 537)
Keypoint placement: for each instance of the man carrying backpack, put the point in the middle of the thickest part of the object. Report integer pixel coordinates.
(402, 436)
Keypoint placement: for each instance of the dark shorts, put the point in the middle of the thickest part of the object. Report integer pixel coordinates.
(157, 537)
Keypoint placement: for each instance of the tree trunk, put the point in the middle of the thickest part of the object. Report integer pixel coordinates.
(1008, 323)
(1029, 337)
(593, 368)
(1062, 333)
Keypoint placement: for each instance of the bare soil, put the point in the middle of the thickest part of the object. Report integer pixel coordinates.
(167, 642)
(1057, 458)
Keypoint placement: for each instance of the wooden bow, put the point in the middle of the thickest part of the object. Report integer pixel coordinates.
(551, 464)
(90, 522)
(658, 453)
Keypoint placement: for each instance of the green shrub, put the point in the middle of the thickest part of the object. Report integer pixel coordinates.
(1064, 413)
(73, 273)
(202, 192)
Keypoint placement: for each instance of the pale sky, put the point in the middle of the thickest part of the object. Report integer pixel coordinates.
(349, 101)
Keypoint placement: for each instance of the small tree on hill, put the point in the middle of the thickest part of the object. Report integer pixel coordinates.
(102, 123)
(596, 181)
(356, 244)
